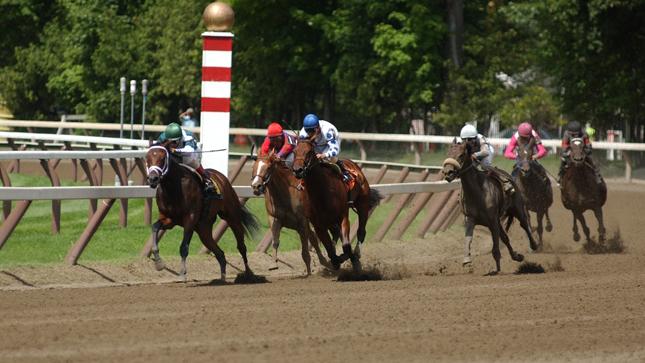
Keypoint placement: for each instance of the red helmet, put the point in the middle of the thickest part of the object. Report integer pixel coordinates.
(525, 129)
(274, 129)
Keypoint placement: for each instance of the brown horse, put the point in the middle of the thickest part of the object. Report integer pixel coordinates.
(535, 186)
(285, 204)
(328, 200)
(181, 203)
(484, 201)
(580, 192)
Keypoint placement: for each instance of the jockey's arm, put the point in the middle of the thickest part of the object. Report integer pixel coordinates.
(541, 151)
(509, 152)
(287, 147)
(483, 152)
(266, 144)
(333, 144)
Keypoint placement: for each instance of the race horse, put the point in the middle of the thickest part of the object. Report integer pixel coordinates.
(284, 203)
(535, 185)
(181, 203)
(327, 203)
(484, 201)
(581, 192)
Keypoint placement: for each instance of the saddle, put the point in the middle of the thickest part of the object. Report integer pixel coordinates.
(351, 182)
(215, 183)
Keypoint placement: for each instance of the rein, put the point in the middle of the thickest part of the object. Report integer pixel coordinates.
(162, 171)
(456, 164)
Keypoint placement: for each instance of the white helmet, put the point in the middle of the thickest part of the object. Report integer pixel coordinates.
(468, 132)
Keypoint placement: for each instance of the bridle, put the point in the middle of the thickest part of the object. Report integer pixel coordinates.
(308, 161)
(266, 178)
(162, 171)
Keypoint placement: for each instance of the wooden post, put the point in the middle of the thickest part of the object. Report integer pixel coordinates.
(404, 174)
(420, 201)
(445, 212)
(48, 167)
(435, 206)
(362, 149)
(6, 181)
(147, 211)
(12, 220)
(391, 218)
(628, 166)
(75, 252)
(98, 165)
(267, 240)
(90, 177)
(377, 179)
(14, 167)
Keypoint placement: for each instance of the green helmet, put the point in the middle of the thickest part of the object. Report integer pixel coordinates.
(173, 132)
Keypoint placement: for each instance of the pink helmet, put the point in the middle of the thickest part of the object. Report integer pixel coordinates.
(525, 129)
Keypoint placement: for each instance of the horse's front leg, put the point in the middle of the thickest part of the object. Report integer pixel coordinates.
(159, 264)
(576, 235)
(304, 244)
(549, 226)
(313, 241)
(183, 252)
(347, 245)
(494, 231)
(540, 216)
(583, 223)
(601, 225)
(514, 255)
(276, 226)
(469, 225)
(323, 236)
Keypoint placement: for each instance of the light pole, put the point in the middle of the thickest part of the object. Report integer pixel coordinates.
(133, 91)
(122, 89)
(144, 92)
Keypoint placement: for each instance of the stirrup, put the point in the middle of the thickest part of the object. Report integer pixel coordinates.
(211, 194)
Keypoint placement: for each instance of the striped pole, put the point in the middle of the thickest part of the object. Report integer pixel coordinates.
(216, 98)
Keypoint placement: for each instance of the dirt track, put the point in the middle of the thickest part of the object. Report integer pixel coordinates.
(431, 309)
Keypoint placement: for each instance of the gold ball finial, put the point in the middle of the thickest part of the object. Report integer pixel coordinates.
(219, 17)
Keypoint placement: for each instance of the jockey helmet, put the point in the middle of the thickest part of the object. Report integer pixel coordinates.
(310, 121)
(525, 129)
(468, 132)
(173, 132)
(274, 129)
(574, 126)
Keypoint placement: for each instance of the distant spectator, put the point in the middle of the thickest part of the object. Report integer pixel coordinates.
(187, 119)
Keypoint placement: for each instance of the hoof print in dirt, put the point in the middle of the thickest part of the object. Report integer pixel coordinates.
(530, 268)
(250, 278)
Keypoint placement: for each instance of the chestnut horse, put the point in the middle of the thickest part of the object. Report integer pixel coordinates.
(580, 192)
(535, 186)
(181, 203)
(484, 201)
(284, 203)
(328, 200)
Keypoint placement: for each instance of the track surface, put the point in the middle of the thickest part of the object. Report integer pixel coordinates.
(431, 309)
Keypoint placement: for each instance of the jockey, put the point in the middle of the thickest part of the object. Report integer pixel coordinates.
(574, 130)
(523, 136)
(183, 143)
(477, 141)
(325, 139)
(280, 141)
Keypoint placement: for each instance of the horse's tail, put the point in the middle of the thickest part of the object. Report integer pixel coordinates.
(375, 198)
(249, 221)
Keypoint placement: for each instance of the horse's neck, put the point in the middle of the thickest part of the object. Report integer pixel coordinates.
(171, 182)
(279, 183)
(317, 180)
(471, 180)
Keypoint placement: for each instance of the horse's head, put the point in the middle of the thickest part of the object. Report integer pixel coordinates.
(458, 155)
(304, 157)
(525, 153)
(262, 171)
(577, 154)
(157, 163)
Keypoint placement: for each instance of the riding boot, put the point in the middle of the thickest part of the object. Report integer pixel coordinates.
(346, 176)
(210, 191)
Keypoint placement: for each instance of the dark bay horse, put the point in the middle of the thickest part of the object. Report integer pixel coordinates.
(285, 204)
(580, 192)
(328, 199)
(181, 203)
(484, 201)
(535, 186)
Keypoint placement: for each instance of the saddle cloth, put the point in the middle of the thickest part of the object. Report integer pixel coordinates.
(351, 182)
(216, 185)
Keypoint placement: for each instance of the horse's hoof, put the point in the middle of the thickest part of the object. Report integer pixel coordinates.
(492, 273)
(182, 277)
(159, 265)
(467, 261)
(518, 257)
(549, 228)
(576, 237)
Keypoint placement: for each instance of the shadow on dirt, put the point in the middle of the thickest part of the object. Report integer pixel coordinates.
(244, 278)
(529, 268)
(376, 272)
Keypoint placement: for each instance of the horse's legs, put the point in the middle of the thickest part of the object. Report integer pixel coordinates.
(306, 257)
(323, 236)
(363, 213)
(514, 255)
(576, 235)
(494, 231)
(522, 215)
(583, 223)
(205, 233)
(540, 216)
(238, 231)
(347, 244)
(183, 251)
(276, 226)
(469, 224)
(601, 225)
(549, 226)
(159, 264)
(313, 241)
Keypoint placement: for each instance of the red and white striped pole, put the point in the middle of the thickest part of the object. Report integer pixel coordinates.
(217, 57)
